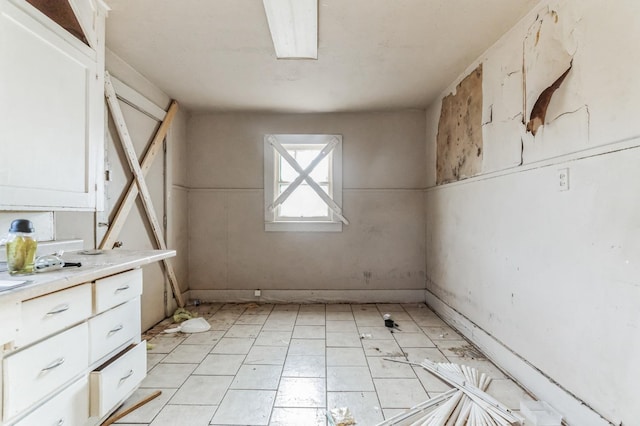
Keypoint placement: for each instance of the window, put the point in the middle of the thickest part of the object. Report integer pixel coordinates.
(303, 183)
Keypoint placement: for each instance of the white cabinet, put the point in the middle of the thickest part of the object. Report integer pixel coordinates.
(69, 362)
(51, 108)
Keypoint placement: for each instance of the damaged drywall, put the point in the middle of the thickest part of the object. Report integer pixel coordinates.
(459, 139)
(502, 126)
(552, 101)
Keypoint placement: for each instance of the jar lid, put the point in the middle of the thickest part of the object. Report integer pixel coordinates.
(21, 225)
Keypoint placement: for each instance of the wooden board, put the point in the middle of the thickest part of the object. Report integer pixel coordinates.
(459, 140)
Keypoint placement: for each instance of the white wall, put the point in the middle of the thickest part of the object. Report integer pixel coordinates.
(382, 249)
(548, 280)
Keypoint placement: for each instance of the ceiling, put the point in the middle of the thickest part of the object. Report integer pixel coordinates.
(373, 55)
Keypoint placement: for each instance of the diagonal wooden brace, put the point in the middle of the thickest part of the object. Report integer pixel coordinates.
(145, 196)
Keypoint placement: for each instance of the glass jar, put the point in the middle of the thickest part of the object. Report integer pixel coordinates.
(21, 247)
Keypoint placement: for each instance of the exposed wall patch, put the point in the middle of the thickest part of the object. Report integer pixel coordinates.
(459, 139)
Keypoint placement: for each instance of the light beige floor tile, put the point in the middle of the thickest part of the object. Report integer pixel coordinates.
(258, 309)
(154, 359)
(312, 307)
(258, 377)
(309, 332)
(377, 333)
(369, 320)
(245, 407)
(148, 411)
(390, 307)
(220, 365)
(273, 338)
(346, 357)
(287, 307)
(202, 390)
(341, 326)
(420, 354)
(350, 339)
(278, 325)
(366, 307)
(413, 340)
(340, 307)
(428, 321)
(400, 393)
(310, 318)
(243, 330)
(175, 415)
(349, 379)
(283, 416)
(168, 375)
(307, 347)
(482, 365)
(220, 325)
(431, 383)
(163, 344)
(459, 348)
(441, 333)
(391, 412)
(381, 348)
(382, 368)
(364, 406)
(301, 392)
(267, 355)
(406, 326)
(233, 345)
(508, 393)
(340, 316)
(304, 366)
(187, 354)
(248, 319)
(204, 338)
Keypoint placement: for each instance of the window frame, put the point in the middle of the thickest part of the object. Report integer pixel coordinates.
(272, 160)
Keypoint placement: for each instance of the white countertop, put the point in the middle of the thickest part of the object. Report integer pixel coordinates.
(108, 262)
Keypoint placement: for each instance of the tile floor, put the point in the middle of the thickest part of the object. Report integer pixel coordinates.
(288, 364)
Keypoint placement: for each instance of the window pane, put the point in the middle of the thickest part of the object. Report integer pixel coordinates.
(287, 174)
(321, 172)
(306, 156)
(303, 202)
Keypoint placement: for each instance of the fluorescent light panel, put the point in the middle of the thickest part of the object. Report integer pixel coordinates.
(294, 27)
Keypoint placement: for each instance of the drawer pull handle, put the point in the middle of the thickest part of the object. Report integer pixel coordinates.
(57, 363)
(115, 330)
(58, 309)
(129, 374)
(123, 288)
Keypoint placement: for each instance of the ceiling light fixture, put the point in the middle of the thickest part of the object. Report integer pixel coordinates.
(294, 27)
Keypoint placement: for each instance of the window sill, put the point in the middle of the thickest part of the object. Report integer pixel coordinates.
(303, 226)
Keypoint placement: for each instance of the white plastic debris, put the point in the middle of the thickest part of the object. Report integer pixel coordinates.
(194, 325)
(539, 413)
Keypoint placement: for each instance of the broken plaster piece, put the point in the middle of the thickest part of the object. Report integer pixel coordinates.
(539, 111)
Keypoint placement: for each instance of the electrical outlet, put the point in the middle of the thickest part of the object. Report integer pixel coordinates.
(563, 179)
(257, 293)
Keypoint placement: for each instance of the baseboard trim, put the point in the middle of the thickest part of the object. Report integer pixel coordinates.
(310, 296)
(574, 411)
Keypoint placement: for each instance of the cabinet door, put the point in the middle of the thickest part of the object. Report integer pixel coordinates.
(51, 114)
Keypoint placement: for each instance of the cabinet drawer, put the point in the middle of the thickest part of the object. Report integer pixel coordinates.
(113, 329)
(48, 314)
(117, 289)
(33, 373)
(116, 379)
(70, 407)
